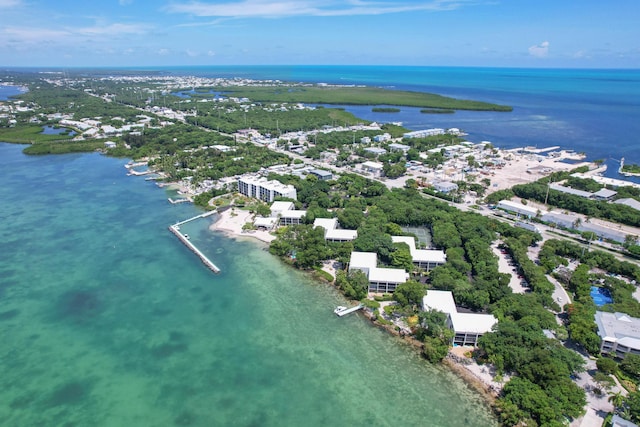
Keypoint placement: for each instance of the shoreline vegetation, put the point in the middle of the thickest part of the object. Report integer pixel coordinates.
(347, 95)
(230, 223)
(206, 146)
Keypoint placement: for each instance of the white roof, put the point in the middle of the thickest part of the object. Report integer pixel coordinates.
(363, 260)
(633, 203)
(388, 275)
(472, 322)
(277, 207)
(265, 222)
(339, 234)
(373, 165)
(619, 327)
(423, 255)
(439, 300)
(326, 223)
(518, 207)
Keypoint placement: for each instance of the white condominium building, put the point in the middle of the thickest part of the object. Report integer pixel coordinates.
(261, 188)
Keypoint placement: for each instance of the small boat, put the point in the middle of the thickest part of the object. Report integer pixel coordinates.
(186, 236)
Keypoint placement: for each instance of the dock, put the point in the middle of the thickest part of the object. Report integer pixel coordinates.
(175, 229)
(343, 311)
(176, 201)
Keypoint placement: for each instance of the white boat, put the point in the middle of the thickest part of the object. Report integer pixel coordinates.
(342, 310)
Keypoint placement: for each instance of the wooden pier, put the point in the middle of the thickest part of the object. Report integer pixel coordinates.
(175, 229)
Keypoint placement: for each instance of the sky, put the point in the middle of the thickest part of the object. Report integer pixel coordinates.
(488, 33)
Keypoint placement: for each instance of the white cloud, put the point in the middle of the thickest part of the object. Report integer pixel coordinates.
(540, 50)
(192, 53)
(125, 2)
(211, 53)
(9, 3)
(285, 8)
(113, 29)
(28, 35)
(164, 52)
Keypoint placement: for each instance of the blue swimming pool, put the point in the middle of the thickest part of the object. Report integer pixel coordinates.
(601, 296)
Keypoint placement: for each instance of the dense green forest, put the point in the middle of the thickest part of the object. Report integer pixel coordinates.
(342, 95)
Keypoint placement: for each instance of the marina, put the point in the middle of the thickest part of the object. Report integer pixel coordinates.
(184, 238)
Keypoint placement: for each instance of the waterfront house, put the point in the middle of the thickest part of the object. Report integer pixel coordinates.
(331, 231)
(467, 327)
(423, 258)
(384, 280)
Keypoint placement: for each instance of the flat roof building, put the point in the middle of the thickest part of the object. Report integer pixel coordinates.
(620, 333)
(399, 147)
(380, 279)
(331, 231)
(374, 167)
(321, 174)
(467, 327)
(423, 258)
(376, 150)
(267, 191)
(518, 208)
(445, 186)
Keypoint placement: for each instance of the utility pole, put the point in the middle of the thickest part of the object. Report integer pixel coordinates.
(548, 186)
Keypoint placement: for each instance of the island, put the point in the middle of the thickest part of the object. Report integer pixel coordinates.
(506, 265)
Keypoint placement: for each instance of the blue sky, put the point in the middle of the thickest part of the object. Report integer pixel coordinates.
(501, 33)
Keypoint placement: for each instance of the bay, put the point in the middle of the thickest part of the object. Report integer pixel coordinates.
(108, 320)
(595, 111)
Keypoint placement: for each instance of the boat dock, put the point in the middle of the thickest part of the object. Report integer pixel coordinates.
(175, 229)
(343, 311)
(176, 201)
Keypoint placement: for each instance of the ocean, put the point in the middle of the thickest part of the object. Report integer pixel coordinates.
(108, 320)
(595, 111)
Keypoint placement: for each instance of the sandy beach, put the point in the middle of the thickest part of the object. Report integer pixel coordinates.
(230, 222)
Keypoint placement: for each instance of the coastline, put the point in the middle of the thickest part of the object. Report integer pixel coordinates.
(230, 222)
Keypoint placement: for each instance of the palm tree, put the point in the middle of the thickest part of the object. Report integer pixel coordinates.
(616, 399)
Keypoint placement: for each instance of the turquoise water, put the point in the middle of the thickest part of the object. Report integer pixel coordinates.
(596, 111)
(108, 320)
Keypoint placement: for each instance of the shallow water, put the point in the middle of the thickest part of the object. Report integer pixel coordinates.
(107, 319)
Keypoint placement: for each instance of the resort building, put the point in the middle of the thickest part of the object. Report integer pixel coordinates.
(261, 188)
(467, 327)
(620, 333)
(424, 133)
(286, 214)
(331, 231)
(423, 258)
(384, 280)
